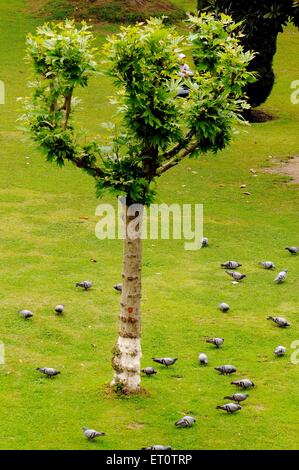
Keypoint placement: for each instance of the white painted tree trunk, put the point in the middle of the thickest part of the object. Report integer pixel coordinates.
(127, 350)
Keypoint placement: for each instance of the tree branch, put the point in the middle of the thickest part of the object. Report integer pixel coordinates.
(67, 107)
(177, 158)
(82, 163)
(172, 152)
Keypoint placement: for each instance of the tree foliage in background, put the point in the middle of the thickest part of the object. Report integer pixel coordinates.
(154, 131)
(262, 21)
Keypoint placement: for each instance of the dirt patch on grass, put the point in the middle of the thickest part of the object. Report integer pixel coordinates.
(111, 11)
(288, 168)
(257, 116)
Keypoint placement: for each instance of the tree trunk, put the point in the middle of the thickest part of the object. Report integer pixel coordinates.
(127, 351)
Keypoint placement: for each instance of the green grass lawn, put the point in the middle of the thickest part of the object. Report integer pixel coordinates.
(47, 241)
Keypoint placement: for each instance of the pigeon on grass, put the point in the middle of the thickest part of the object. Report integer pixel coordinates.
(149, 371)
(243, 383)
(229, 407)
(203, 359)
(280, 321)
(238, 397)
(156, 447)
(231, 265)
(292, 249)
(48, 371)
(185, 422)
(281, 276)
(86, 285)
(59, 309)
(91, 434)
(26, 314)
(118, 287)
(267, 265)
(165, 361)
(224, 307)
(216, 341)
(280, 351)
(227, 369)
(236, 275)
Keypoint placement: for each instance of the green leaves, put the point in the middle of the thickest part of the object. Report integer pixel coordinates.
(217, 88)
(155, 129)
(143, 60)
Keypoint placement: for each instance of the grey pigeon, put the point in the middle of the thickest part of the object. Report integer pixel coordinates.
(149, 371)
(204, 242)
(156, 447)
(237, 397)
(26, 314)
(216, 341)
(203, 359)
(224, 307)
(231, 265)
(229, 407)
(118, 287)
(227, 369)
(292, 249)
(185, 422)
(91, 433)
(267, 264)
(84, 284)
(281, 276)
(236, 275)
(280, 351)
(59, 308)
(48, 371)
(165, 361)
(243, 383)
(280, 321)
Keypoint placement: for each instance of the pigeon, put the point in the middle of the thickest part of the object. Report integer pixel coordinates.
(156, 447)
(149, 371)
(231, 265)
(91, 433)
(26, 314)
(203, 359)
(204, 242)
(226, 369)
(229, 407)
(244, 383)
(216, 341)
(281, 322)
(236, 275)
(84, 284)
(281, 276)
(48, 371)
(118, 287)
(166, 361)
(224, 307)
(267, 264)
(185, 422)
(280, 351)
(237, 397)
(292, 249)
(59, 308)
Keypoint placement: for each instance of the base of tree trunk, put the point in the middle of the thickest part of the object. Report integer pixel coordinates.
(257, 115)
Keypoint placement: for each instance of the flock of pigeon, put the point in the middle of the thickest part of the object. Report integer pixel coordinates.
(226, 369)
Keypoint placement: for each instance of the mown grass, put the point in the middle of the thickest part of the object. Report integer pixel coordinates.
(47, 241)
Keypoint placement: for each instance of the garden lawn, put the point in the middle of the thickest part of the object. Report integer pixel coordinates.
(48, 241)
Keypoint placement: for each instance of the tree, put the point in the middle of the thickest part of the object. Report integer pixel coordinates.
(261, 23)
(157, 129)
